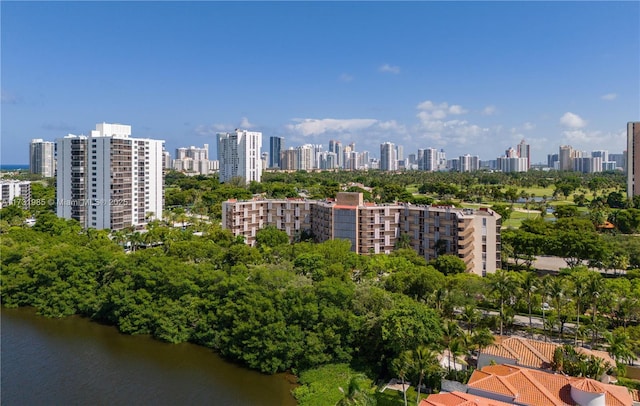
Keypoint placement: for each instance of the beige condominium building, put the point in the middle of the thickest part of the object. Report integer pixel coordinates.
(472, 235)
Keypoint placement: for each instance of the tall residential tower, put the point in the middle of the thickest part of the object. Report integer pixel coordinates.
(109, 180)
(239, 155)
(276, 145)
(633, 159)
(42, 156)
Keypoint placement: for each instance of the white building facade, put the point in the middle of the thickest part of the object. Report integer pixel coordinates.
(388, 160)
(14, 191)
(42, 158)
(239, 155)
(109, 180)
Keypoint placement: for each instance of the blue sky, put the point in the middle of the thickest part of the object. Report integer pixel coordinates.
(469, 77)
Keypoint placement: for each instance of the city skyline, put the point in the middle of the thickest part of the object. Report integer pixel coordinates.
(472, 78)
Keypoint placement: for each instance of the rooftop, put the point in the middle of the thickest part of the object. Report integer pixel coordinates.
(534, 387)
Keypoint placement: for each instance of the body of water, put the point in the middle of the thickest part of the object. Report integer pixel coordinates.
(73, 361)
(14, 167)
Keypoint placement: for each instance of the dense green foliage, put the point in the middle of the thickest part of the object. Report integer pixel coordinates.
(281, 306)
(294, 310)
(329, 384)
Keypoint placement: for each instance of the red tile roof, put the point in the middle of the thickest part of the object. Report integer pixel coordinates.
(459, 399)
(534, 353)
(534, 387)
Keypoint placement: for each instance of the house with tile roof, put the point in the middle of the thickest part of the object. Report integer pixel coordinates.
(524, 386)
(529, 353)
(459, 399)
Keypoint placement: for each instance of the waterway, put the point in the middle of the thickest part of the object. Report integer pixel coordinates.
(73, 361)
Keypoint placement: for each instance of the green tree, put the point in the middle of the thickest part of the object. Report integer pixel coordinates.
(448, 264)
(502, 284)
(408, 325)
(358, 393)
(271, 237)
(424, 361)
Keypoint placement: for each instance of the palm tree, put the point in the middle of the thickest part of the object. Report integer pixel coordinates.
(424, 360)
(482, 338)
(451, 333)
(470, 315)
(555, 289)
(619, 347)
(401, 366)
(593, 289)
(356, 394)
(529, 284)
(503, 284)
(579, 281)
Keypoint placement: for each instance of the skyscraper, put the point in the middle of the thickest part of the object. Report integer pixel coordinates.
(565, 156)
(109, 180)
(633, 159)
(430, 159)
(239, 155)
(42, 158)
(468, 163)
(524, 151)
(276, 145)
(388, 161)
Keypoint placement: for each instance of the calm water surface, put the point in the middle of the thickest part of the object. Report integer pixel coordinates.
(73, 361)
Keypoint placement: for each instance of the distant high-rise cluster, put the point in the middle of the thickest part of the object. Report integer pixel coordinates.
(193, 160)
(108, 179)
(570, 159)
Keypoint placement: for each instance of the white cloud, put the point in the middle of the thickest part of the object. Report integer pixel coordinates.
(580, 139)
(528, 126)
(345, 77)
(430, 111)
(456, 109)
(211, 129)
(489, 111)
(609, 96)
(434, 127)
(313, 126)
(392, 125)
(386, 68)
(572, 120)
(244, 123)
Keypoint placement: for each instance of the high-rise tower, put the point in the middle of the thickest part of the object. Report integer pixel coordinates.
(276, 145)
(388, 161)
(633, 159)
(42, 158)
(239, 155)
(524, 151)
(109, 180)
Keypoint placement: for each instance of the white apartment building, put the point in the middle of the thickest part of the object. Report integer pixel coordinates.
(42, 157)
(109, 180)
(512, 164)
(239, 153)
(11, 189)
(468, 163)
(388, 158)
(633, 159)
